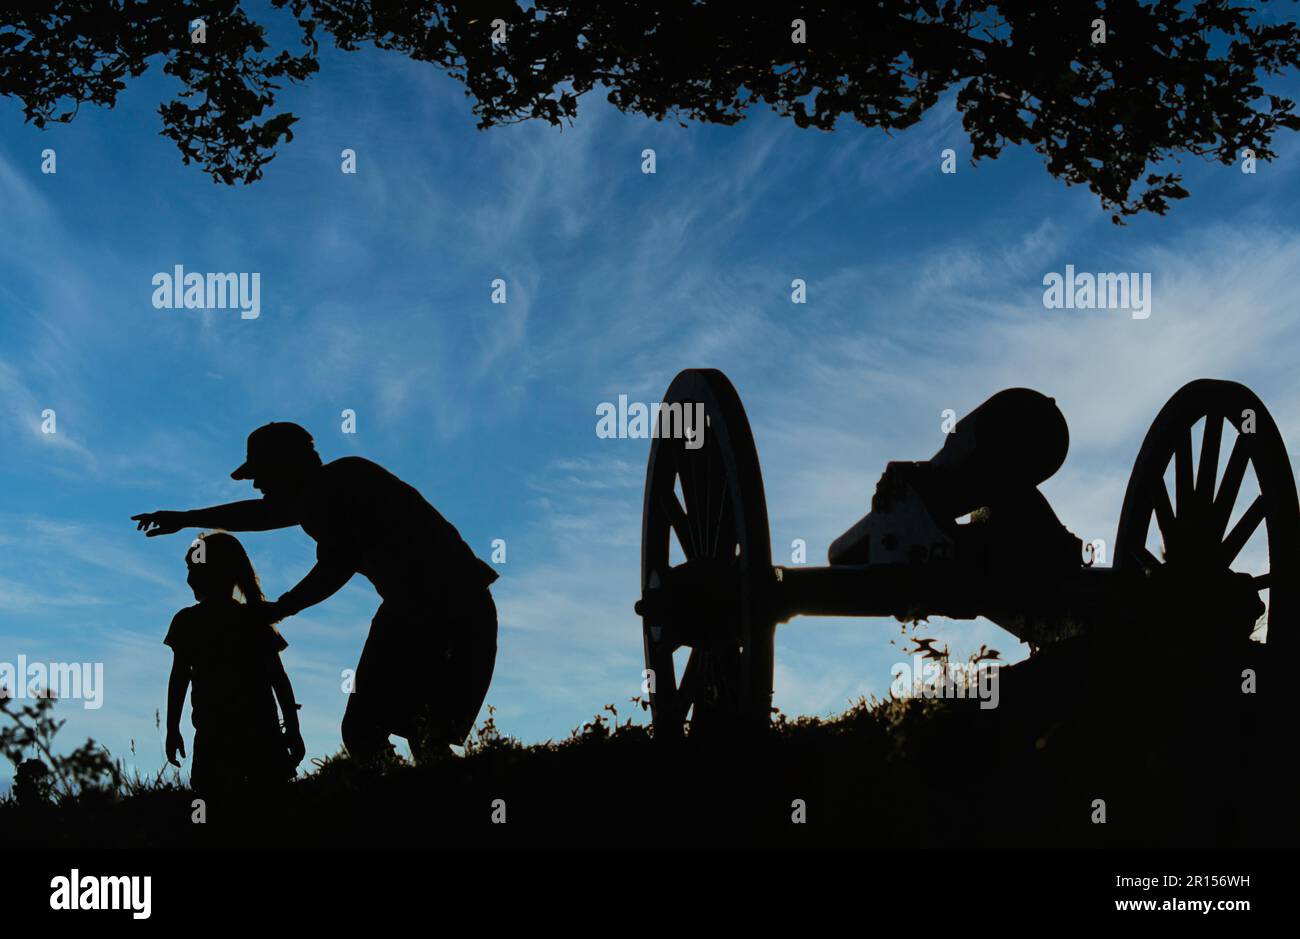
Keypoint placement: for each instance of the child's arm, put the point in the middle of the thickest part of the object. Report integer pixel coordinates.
(289, 708)
(177, 685)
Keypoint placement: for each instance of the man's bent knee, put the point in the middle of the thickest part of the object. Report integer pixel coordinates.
(363, 736)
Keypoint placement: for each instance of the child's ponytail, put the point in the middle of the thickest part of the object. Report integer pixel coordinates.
(246, 578)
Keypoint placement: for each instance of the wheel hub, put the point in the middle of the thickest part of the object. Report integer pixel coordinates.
(698, 598)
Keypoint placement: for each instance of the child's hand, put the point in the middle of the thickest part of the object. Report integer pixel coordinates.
(297, 749)
(174, 742)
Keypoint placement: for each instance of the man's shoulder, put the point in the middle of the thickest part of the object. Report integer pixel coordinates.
(338, 476)
(354, 472)
(350, 467)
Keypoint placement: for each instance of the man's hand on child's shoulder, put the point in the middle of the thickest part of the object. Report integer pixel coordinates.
(266, 612)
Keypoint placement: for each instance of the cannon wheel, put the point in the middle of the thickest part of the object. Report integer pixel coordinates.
(710, 501)
(1194, 525)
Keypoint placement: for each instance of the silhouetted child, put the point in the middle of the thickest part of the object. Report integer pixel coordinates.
(231, 656)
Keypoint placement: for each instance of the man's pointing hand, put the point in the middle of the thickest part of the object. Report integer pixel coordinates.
(159, 523)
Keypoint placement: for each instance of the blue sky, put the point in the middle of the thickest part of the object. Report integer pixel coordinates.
(924, 293)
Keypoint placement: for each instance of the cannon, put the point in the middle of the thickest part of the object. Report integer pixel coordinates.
(966, 533)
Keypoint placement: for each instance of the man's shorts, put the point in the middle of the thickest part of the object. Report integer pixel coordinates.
(425, 664)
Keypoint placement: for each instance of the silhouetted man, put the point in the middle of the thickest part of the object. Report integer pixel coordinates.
(427, 663)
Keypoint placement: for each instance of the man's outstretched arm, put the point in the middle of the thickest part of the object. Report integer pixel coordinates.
(322, 582)
(249, 515)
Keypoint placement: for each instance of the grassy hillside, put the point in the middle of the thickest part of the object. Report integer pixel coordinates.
(1165, 737)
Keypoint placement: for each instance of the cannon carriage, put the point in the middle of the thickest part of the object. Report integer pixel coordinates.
(964, 534)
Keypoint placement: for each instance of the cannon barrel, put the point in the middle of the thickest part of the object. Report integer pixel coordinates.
(1012, 442)
(998, 453)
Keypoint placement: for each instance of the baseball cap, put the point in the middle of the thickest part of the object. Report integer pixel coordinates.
(272, 443)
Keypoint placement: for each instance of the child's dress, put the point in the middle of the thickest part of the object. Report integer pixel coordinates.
(237, 736)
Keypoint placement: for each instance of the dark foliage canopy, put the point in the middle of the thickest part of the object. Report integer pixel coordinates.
(1172, 78)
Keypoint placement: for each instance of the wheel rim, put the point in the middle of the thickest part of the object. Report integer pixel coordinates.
(709, 502)
(1210, 517)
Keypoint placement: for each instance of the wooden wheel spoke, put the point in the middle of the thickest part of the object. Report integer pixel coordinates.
(1230, 485)
(680, 525)
(1242, 531)
(691, 678)
(700, 516)
(685, 477)
(724, 517)
(1165, 518)
(1209, 466)
(688, 472)
(1183, 476)
(716, 485)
